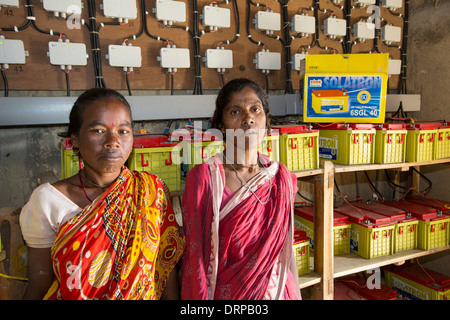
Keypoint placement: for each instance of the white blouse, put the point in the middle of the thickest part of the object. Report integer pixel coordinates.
(44, 213)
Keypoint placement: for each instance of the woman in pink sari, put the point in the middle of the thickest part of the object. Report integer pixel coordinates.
(238, 210)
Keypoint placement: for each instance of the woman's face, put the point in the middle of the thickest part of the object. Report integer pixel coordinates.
(245, 115)
(105, 139)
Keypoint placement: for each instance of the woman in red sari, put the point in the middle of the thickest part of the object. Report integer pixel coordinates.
(238, 210)
(106, 232)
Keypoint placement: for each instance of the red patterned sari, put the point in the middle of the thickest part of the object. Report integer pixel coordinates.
(243, 249)
(123, 246)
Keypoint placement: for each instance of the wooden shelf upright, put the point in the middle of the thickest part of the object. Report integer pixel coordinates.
(327, 267)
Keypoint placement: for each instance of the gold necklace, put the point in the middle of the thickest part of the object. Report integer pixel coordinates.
(247, 186)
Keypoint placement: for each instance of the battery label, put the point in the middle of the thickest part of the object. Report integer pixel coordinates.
(408, 290)
(354, 239)
(328, 148)
(344, 97)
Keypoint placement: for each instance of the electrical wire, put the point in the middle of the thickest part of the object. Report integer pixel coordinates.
(373, 186)
(430, 184)
(425, 271)
(238, 22)
(198, 87)
(309, 200)
(287, 46)
(403, 75)
(95, 44)
(5, 81)
(128, 82)
(236, 35)
(66, 73)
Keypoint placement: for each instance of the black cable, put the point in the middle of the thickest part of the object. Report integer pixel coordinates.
(372, 185)
(95, 45)
(347, 12)
(249, 36)
(198, 87)
(171, 83)
(238, 23)
(287, 47)
(33, 22)
(222, 79)
(430, 184)
(66, 73)
(392, 182)
(336, 186)
(402, 84)
(267, 82)
(128, 83)
(298, 192)
(5, 81)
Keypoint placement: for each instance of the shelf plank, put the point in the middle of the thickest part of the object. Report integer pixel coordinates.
(352, 263)
(403, 166)
(308, 173)
(309, 279)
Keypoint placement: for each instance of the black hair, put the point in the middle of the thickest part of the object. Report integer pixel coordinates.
(84, 100)
(224, 97)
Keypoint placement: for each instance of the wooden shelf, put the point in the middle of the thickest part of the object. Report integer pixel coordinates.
(403, 166)
(309, 279)
(352, 263)
(308, 173)
(326, 267)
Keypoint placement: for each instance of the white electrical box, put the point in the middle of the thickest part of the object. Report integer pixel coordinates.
(297, 61)
(303, 24)
(170, 11)
(174, 58)
(122, 10)
(365, 2)
(334, 27)
(394, 66)
(63, 7)
(124, 56)
(67, 53)
(216, 17)
(9, 3)
(266, 60)
(390, 34)
(219, 59)
(268, 20)
(11, 52)
(392, 4)
(364, 30)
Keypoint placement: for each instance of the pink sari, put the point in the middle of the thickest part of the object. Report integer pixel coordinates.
(242, 251)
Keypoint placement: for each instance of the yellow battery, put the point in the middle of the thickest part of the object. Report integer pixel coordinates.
(158, 156)
(420, 142)
(270, 146)
(202, 151)
(304, 220)
(347, 143)
(298, 147)
(330, 100)
(390, 143)
(158, 161)
(301, 251)
(443, 142)
(70, 163)
(417, 283)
